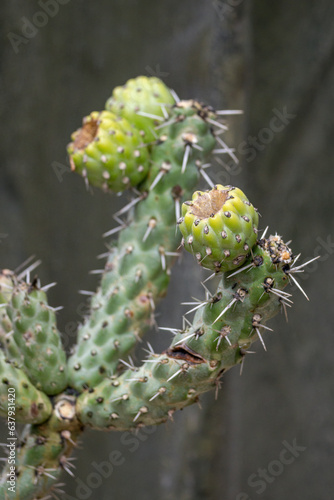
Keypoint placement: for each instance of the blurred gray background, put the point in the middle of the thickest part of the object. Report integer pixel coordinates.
(275, 60)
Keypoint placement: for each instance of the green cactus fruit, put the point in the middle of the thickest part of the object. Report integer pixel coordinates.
(223, 328)
(37, 337)
(137, 271)
(144, 101)
(19, 398)
(108, 151)
(219, 227)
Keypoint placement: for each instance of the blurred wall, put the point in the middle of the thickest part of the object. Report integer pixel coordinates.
(274, 60)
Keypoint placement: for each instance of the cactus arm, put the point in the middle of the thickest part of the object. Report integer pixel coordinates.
(43, 453)
(29, 404)
(137, 270)
(223, 329)
(37, 338)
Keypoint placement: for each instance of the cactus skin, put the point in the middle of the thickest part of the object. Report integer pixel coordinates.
(108, 151)
(37, 338)
(31, 406)
(221, 332)
(137, 270)
(142, 95)
(219, 227)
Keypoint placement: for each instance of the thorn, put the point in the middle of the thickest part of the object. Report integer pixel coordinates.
(242, 365)
(241, 269)
(209, 278)
(109, 233)
(194, 308)
(160, 392)
(164, 110)
(230, 112)
(206, 177)
(141, 411)
(264, 233)
(296, 269)
(185, 338)
(183, 368)
(128, 206)
(226, 149)
(260, 337)
(45, 288)
(96, 271)
(29, 259)
(167, 123)
(85, 292)
(26, 272)
(298, 285)
(174, 331)
(150, 226)
(229, 305)
(174, 94)
(216, 124)
(177, 209)
(124, 397)
(150, 115)
(162, 257)
(187, 152)
(278, 293)
(285, 311)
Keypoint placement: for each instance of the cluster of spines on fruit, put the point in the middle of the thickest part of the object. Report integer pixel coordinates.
(150, 142)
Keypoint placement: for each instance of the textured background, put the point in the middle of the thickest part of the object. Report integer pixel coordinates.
(271, 59)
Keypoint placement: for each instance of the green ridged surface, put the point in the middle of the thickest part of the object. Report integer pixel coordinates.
(42, 453)
(36, 335)
(28, 405)
(219, 227)
(137, 270)
(142, 94)
(109, 152)
(222, 330)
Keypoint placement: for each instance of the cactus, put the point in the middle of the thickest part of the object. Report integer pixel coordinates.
(97, 386)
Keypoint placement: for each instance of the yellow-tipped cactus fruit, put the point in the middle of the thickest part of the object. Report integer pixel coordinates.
(219, 227)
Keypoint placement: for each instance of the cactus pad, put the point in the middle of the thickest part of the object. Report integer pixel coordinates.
(108, 151)
(144, 102)
(219, 226)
